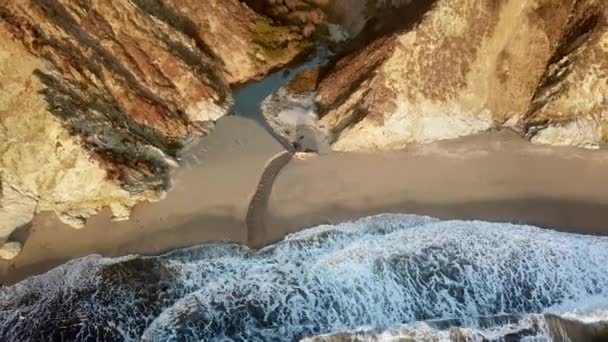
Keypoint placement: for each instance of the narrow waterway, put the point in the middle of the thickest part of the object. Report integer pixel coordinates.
(249, 97)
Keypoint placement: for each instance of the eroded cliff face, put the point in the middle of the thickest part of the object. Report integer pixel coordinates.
(356, 31)
(97, 97)
(42, 165)
(247, 44)
(570, 106)
(460, 67)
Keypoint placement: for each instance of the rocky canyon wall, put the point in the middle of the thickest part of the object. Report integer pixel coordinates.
(443, 69)
(98, 96)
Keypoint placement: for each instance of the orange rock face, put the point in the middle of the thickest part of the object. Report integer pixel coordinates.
(115, 88)
(304, 15)
(121, 80)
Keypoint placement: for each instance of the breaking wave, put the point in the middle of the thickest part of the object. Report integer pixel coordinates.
(372, 279)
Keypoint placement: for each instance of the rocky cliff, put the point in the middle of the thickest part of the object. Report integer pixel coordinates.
(443, 69)
(97, 97)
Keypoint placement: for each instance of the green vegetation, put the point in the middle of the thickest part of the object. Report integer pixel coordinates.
(271, 37)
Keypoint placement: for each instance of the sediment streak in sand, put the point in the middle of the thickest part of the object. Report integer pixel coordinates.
(258, 203)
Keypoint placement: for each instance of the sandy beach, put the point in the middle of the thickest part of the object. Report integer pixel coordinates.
(492, 176)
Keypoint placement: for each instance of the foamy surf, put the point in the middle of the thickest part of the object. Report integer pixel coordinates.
(368, 280)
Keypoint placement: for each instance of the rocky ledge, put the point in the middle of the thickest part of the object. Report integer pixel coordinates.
(98, 97)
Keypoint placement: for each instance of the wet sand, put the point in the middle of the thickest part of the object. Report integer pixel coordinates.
(492, 176)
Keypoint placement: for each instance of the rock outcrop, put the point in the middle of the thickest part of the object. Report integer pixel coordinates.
(304, 16)
(43, 166)
(454, 68)
(570, 106)
(97, 97)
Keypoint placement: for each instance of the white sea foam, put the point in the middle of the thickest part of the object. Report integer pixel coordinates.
(384, 276)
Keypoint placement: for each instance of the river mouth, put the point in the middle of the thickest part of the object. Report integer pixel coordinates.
(290, 116)
(376, 273)
(248, 98)
(255, 101)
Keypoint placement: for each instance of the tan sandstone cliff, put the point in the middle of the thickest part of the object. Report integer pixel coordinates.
(469, 66)
(443, 69)
(98, 96)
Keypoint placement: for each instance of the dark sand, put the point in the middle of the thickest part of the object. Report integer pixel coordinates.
(493, 176)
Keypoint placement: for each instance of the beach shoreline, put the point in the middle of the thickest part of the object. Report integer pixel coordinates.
(492, 176)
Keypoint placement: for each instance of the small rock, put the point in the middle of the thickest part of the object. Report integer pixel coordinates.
(10, 250)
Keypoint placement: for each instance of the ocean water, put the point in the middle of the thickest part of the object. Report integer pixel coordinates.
(379, 279)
